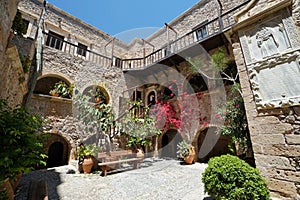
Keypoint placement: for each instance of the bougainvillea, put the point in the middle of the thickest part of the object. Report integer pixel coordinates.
(181, 112)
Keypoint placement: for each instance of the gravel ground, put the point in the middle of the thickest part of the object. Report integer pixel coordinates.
(156, 179)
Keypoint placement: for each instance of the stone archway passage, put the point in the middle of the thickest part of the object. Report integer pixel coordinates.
(169, 143)
(55, 154)
(58, 151)
(211, 147)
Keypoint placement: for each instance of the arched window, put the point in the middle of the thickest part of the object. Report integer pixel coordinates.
(151, 98)
(97, 93)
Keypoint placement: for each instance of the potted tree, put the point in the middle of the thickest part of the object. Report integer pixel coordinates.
(86, 156)
(186, 152)
(139, 129)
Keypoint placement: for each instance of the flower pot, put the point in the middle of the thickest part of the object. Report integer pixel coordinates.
(6, 186)
(87, 164)
(54, 94)
(190, 159)
(14, 183)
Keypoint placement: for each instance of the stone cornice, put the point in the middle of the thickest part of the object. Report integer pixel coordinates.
(249, 19)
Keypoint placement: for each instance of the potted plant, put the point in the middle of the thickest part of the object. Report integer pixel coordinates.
(186, 152)
(86, 156)
(139, 131)
(61, 89)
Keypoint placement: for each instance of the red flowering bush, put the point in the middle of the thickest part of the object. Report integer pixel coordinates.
(181, 112)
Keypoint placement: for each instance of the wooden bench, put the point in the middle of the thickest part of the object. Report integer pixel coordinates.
(117, 157)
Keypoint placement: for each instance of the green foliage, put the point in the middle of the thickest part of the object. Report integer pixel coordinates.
(26, 63)
(139, 131)
(19, 27)
(87, 150)
(21, 145)
(62, 89)
(99, 93)
(220, 59)
(227, 177)
(3, 194)
(183, 149)
(234, 115)
(98, 116)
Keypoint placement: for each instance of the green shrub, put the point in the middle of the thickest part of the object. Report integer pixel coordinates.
(228, 177)
(21, 143)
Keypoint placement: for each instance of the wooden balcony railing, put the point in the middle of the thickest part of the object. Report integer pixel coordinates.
(204, 32)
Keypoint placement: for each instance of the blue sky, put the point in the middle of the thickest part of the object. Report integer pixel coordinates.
(125, 19)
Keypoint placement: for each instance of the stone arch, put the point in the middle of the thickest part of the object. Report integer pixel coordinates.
(97, 93)
(46, 82)
(195, 83)
(210, 144)
(58, 150)
(169, 141)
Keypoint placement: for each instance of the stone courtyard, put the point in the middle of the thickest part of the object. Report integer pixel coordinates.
(156, 179)
(261, 38)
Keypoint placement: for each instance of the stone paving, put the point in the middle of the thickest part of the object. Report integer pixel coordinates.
(156, 179)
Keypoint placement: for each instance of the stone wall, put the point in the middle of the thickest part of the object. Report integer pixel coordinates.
(12, 78)
(200, 13)
(273, 124)
(73, 29)
(8, 10)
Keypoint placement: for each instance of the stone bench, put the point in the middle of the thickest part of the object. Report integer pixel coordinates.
(117, 157)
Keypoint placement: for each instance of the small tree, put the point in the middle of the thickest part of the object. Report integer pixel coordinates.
(96, 116)
(233, 111)
(139, 130)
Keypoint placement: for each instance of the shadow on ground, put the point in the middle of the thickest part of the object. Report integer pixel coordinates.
(50, 176)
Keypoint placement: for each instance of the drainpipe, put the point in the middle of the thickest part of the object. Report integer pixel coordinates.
(39, 51)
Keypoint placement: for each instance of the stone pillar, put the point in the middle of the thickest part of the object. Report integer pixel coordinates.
(272, 115)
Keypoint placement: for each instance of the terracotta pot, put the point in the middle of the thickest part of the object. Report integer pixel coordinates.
(139, 153)
(87, 165)
(5, 185)
(14, 183)
(54, 94)
(190, 159)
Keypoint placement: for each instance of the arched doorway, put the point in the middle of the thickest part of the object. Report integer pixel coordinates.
(169, 143)
(55, 155)
(58, 151)
(197, 83)
(211, 144)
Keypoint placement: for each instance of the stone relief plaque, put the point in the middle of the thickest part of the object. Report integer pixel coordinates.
(272, 58)
(276, 83)
(266, 39)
